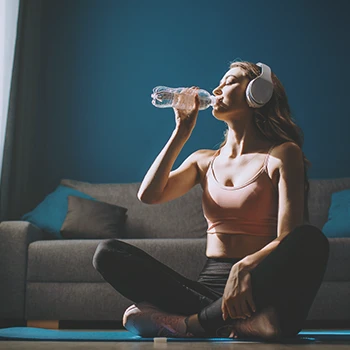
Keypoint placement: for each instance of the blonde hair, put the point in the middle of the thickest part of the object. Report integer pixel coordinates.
(275, 122)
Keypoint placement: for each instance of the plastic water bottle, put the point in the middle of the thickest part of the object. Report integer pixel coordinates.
(164, 97)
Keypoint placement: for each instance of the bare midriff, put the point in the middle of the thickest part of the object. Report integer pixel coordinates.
(223, 245)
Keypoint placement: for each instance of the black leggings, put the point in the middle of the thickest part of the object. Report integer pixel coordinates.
(287, 279)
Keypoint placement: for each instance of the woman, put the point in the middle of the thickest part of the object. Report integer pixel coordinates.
(265, 264)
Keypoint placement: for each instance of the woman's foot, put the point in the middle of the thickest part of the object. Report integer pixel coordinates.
(263, 324)
(147, 320)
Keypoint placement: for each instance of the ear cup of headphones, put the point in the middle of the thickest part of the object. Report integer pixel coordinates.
(259, 90)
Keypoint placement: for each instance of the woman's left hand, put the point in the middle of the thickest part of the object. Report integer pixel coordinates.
(237, 300)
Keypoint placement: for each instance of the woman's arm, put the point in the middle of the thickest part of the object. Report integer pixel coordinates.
(156, 178)
(291, 202)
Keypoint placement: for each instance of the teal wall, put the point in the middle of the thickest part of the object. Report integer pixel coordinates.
(101, 59)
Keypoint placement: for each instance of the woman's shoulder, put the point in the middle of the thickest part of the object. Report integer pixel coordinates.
(285, 148)
(204, 155)
(286, 152)
(203, 158)
(286, 145)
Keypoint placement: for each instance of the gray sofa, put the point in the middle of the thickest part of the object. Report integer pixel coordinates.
(55, 279)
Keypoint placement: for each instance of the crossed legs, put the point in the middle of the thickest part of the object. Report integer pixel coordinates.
(284, 286)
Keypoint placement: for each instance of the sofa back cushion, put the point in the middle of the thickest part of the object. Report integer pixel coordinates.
(183, 217)
(320, 197)
(180, 218)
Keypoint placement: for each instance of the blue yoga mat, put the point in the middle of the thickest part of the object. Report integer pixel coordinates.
(31, 333)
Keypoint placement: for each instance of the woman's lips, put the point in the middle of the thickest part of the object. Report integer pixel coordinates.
(219, 102)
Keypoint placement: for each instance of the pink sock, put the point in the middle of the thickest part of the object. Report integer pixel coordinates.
(147, 320)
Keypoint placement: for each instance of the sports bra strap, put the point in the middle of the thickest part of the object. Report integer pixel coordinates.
(212, 158)
(267, 156)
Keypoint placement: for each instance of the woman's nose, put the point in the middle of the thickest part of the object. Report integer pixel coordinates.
(217, 91)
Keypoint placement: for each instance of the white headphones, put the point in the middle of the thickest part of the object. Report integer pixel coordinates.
(259, 90)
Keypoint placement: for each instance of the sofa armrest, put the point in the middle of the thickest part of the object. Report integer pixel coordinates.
(15, 237)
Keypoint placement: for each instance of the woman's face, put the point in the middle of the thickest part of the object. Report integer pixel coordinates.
(231, 98)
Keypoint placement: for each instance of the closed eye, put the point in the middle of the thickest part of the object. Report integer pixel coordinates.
(228, 82)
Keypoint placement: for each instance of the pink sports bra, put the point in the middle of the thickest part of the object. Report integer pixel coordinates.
(250, 209)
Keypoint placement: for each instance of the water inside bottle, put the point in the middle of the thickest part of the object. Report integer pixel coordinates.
(162, 96)
(174, 97)
(183, 101)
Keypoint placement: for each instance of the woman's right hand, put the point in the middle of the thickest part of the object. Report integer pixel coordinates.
(186, 119)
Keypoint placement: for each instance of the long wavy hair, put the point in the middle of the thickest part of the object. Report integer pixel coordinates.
(275, 121)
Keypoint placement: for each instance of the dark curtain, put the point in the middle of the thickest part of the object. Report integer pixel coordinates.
(18, 169)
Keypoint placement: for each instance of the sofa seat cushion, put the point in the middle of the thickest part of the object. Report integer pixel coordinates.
(338, 268)
(71, 260)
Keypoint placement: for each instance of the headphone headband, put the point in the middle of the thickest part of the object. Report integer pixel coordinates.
(259, 90)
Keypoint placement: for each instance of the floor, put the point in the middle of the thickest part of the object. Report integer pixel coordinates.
(172, 346)
(40, 345)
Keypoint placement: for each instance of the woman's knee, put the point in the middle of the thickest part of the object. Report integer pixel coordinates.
(317, 238)
(310, 237)
(106, 250)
